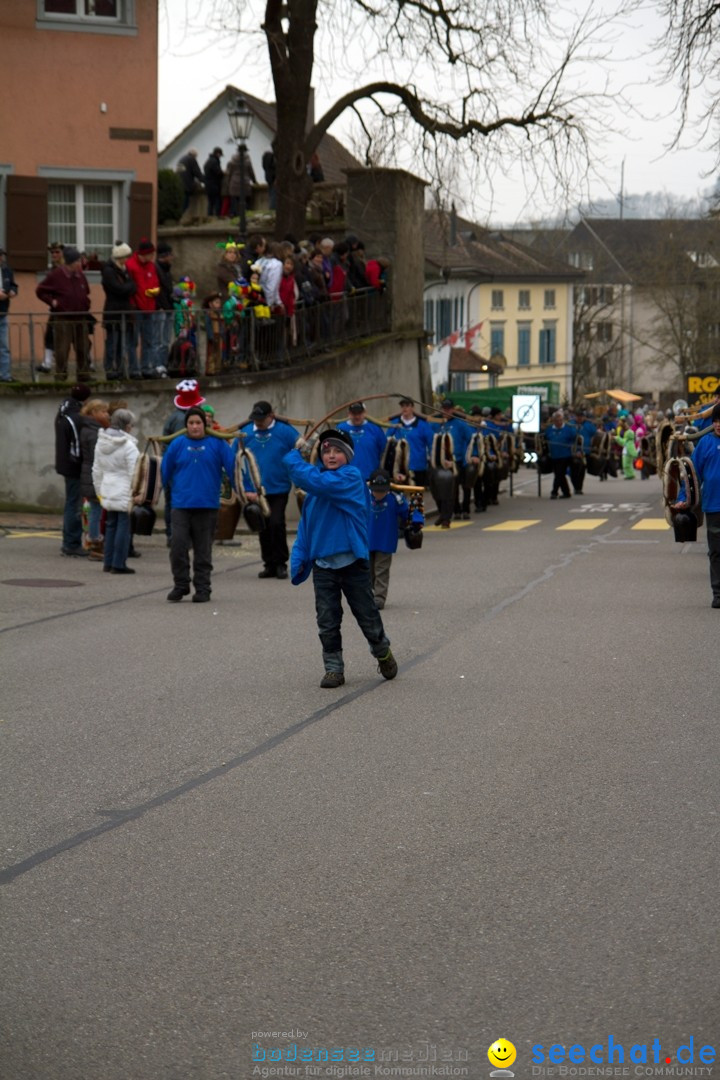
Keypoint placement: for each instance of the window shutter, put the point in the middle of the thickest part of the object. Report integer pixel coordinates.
(141, 222)
(27, 222)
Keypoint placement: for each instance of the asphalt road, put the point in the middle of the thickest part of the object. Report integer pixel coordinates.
(517, 837)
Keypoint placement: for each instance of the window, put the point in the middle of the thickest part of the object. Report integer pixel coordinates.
(430, 319)
(84, 215)
(524, 299)
(497, 338)
(523, 352)
(583, 260)
(593, 295)
(96, 16)
(443, 320)
(498, 300)
(604, 331)
(458, 310)
(548, 338)
(549, 301)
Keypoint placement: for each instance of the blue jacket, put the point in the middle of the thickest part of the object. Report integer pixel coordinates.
(334, 514)
(706, 459)
(8, 285)
(385, 514)
(419, 435)
(587, 429)
(461, 435)
(561, 440)
(369, 442)
(269, 449)
(194, 468)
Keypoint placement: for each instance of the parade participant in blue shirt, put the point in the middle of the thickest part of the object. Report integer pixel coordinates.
(561, 442)
(388, 511)
(419, 434)
(193, 467)
(461, 435)
(332, 545)
(586, 428)
(269, 440)
(368, 439)
(706, 460)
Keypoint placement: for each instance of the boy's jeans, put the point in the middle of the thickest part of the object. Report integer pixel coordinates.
(354, 582)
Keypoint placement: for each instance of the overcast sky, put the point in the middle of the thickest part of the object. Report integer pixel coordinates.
(195, 65)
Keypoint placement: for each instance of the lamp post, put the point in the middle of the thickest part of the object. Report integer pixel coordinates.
(241, 120)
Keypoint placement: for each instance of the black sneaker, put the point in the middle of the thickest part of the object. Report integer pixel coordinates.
(716, 602)
(74, 553)
(268, 572)
(201, 598)
(175, 595)
(387, 665)
(281, 572)
(332, 679)
(122, 570)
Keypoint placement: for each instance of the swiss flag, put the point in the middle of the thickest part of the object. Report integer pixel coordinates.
(471, 332)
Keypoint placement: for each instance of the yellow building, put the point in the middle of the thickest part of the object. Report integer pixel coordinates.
(506, 308)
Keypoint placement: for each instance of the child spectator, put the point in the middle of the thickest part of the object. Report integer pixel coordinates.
(332, 544)
(215, 331)
(288, 297)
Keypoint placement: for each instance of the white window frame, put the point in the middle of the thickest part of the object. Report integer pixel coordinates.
(80, 241)
(124, 23)
(496, 294)
(549, 300)
(524, 294)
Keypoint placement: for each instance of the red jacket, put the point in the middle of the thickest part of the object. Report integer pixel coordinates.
(64, 290)
(288, 290)
(145, 277)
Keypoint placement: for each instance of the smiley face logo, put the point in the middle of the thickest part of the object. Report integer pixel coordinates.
(502, 1053)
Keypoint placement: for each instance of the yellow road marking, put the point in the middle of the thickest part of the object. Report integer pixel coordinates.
(24, 535)
(454, 525)
(512, 526)
(581, 525)
(651, 524)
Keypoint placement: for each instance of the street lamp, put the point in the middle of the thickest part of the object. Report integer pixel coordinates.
(241, 120)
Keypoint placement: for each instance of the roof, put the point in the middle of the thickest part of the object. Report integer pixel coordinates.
(334, 158)
(462, 248)
(467, 360)
(644, 251)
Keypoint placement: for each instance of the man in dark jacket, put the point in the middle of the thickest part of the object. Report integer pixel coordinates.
(189, 172)
(164, 301)
(118, 287)
(66, 292)
(67, 465)
(213, 171)
(8, 290)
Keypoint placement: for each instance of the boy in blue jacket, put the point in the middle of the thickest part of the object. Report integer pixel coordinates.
(332, 544)
(193, 466)
(388, 510)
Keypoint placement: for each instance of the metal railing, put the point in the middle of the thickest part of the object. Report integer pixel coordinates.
(212, 346)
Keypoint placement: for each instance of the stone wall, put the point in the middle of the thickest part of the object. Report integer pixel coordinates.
(393, 363)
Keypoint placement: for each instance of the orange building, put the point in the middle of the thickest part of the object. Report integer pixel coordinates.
(78, 131)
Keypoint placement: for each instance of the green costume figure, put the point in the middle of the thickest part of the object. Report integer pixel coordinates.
(627, 441)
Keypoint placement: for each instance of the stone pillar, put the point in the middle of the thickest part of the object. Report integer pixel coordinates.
(385, 208)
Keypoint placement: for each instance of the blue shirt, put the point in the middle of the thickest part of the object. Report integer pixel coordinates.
(561, 440)
(269, 448)
(369, 442)
(706, 459)
(419, 435)
(194, 468)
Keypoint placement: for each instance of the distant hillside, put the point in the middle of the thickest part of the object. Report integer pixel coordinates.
(653, 204)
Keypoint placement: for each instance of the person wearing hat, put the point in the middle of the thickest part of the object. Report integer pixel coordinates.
(118, 287)
(66, 292)
(332, 545)
(187, 396)
(368, 439)
(141, 268)
(213, 173)
(389, 511)
(419, 435)
(193, 467)
(8, 291)
(269, 440)
(68, 459)
(461, 433)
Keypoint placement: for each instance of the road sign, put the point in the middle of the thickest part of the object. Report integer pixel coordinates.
(526, 412)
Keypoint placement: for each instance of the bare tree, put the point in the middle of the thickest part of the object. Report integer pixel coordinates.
(691, 49)
(597, 346)
(492, 82)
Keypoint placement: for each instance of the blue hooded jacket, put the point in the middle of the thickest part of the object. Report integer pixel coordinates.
(334, 515)
(385, 515)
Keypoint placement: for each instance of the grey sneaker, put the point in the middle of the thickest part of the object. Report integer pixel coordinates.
(387, 665)
(332, 679)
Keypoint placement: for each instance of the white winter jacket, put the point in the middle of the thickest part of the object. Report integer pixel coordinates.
(116, 454)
